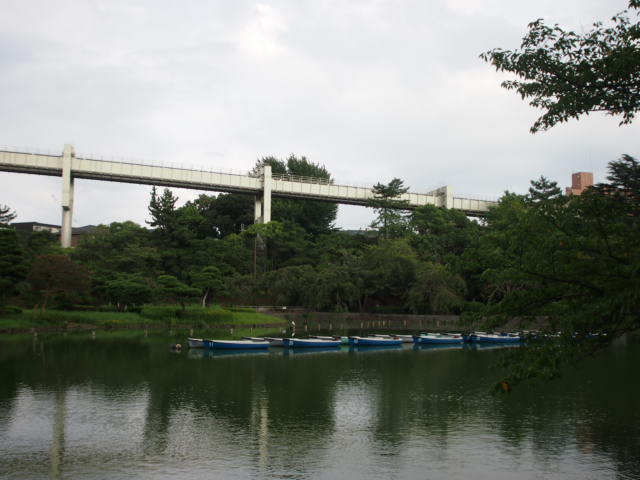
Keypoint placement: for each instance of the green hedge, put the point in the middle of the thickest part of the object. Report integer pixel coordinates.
(188, 315)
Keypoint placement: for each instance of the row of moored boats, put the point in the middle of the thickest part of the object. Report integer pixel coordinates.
(372, 340)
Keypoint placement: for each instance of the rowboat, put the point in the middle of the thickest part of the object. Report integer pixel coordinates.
(195, 342)
(235, 344)
(343, 340)
(438, 339)
(404, 338)
(495, 338)
(310, 343)
(373, 341)
(274, 341)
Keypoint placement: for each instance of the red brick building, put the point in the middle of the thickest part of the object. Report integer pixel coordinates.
(579, 182)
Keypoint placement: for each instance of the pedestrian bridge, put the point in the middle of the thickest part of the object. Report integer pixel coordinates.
(263, 186)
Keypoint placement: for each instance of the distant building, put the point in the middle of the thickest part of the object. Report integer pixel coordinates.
(32, 227)
(579, 182)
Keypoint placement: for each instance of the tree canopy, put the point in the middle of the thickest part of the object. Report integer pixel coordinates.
(314, 216)
(567, 74)
(392, 220)
(6, 215)
(570, 260)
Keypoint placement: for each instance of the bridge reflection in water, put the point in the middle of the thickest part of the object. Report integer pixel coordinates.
(123, 405)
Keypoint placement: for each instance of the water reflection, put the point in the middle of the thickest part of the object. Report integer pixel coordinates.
(122, 405)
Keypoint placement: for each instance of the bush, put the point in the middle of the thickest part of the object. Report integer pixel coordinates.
(188, 315)
(241, 309)
(9, 310)
(208, 315)
(84, 308)
(160, 312)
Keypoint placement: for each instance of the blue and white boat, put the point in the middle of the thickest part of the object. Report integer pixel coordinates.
(480, 337)
(310, 343)
(343, 340)
(404, 338)
(235, 344)
(437, 339)
(374, 341)
(195, 342)
(275, 341)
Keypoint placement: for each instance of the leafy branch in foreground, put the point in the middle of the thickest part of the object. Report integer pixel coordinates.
(573, 261)
(569, 74)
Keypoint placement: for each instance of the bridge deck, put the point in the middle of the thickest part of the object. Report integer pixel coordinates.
(34, 163)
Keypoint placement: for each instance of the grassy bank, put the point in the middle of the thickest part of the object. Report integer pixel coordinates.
(149, 316)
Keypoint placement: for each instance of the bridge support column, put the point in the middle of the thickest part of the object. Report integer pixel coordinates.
(257, 211)
(266, 194)
(67, 197)
(444, 197)
(262, 206)
(448, 196)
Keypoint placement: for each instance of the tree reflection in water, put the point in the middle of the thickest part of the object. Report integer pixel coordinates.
(124, 402)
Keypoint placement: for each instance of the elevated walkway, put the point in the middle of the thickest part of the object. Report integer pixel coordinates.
(69, 167)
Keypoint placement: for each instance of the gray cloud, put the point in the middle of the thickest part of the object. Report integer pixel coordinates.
(371, 89)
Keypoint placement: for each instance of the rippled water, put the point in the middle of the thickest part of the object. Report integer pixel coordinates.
(123, 406)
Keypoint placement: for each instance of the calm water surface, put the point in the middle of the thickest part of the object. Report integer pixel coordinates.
(123, 406)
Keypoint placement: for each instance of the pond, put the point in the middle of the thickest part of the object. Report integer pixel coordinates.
(123, 405)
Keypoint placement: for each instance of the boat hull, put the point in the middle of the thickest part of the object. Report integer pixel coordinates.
(195, 343)
(374, 341)
(438, 340)
(310, 343)
(404, 338)
(235, 344)
(495, 339)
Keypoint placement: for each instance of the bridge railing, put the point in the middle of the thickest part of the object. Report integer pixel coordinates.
(296, 178)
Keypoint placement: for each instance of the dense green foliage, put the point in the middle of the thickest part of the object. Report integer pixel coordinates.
(570, 259)
(313, 216)
(568, 74)
(388, 205)
(559, 263)
(6, 215)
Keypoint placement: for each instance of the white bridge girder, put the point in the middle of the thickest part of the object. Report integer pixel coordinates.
(69, 167)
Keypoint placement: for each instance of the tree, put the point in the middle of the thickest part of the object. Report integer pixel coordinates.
(210, 281)
(14, 263)
(57, 276)
(127, 289)
(288, 285)
(386, 201)
(162, 210)
(173, 290)
(314, 216)
(436, 290)
(222, 215)
(568, 74)
(570, 260)
(6, 215)
(334, 288)
(386, 272)
(441, 234)
(175, 231)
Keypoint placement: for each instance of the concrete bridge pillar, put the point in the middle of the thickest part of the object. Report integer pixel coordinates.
(67, 196)
(448, 196)
(444, 197)
(262, 209)
(257, 211)
(266, 195)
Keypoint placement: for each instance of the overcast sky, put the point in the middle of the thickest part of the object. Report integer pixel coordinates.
(372, 90)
